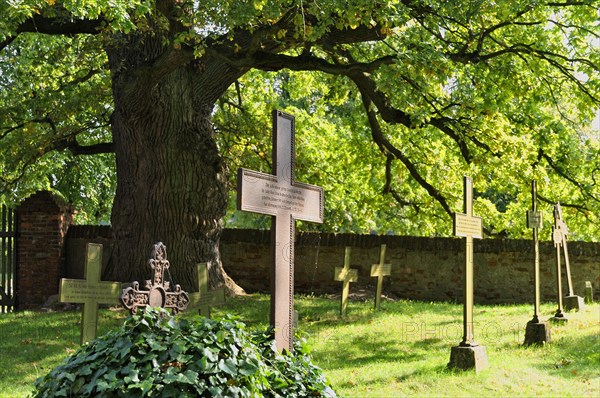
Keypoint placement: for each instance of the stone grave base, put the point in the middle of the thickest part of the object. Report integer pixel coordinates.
(537, 333)
(574, 303)
(559, 319)
(467, 358)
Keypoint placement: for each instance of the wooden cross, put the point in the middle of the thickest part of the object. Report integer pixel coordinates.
(468, 226)
(286, 200)
(90, 292)
(205, 298)
(534, 221)
(380, 270)
(345, 275)
(559, 229)
(157, 293)
(560, 235)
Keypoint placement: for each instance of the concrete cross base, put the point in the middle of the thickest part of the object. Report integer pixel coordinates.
(537, 333)
(559, 319)
(467, 358)
(574, 303)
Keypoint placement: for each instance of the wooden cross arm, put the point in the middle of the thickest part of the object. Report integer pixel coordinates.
(345, 274)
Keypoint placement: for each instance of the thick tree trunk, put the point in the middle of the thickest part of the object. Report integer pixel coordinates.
(171, 179)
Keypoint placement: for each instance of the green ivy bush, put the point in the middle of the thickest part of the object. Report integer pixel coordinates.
(156, 355)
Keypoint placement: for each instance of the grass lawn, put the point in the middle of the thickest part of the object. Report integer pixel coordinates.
(401, 350)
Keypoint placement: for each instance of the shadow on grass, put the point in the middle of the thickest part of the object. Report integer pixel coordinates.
(574, 357)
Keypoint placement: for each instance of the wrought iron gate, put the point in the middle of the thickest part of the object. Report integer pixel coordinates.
(8, 257)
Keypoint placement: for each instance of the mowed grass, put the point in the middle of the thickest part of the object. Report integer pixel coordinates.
(400, 350)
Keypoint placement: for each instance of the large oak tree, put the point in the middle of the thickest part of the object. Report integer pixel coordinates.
(444, 88)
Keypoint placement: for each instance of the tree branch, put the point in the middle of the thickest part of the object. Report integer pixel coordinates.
(55, 26)
(387, 148)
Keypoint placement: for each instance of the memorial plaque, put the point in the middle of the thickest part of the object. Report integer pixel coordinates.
(468, 354)
(380, 270)
(90, 292)
(157, 292)
(345, 275)
(286, 200)
(205, 298)
(536, 331)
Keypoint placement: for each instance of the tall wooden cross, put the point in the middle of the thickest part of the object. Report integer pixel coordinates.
(534, 221)
(562, 233)
(468, 226)
(559, 231)
(380, 270)
(345, 275)
(90, 292)
(205, 298)
(286, 200)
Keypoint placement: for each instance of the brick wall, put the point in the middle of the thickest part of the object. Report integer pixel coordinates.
(422, 268)
(42, 223)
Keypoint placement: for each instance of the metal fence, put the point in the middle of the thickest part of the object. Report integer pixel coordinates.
(8, 257)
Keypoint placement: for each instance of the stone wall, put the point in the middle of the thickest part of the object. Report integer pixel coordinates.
(422, 268)
(42, 222)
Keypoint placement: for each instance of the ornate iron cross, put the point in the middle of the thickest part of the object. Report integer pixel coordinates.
(157, 293)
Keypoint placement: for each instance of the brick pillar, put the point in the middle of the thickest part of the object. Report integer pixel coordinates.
(42, 222)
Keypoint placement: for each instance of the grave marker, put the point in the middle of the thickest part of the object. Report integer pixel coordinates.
(380, 270)
(536, 331)
(557, 238)
(345, 275)
(571, 301)
(90, 292)
(468, 354)
(286, 200)
(205, 298)
(157, 293)
(589, 292)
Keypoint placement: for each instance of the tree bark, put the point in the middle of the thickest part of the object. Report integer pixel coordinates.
(171, 179)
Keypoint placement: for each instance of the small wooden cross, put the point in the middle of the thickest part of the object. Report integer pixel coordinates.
(157, 293)
(345, 275)
(90, 292)
(205, 298)
(380, 270)
(280, 196)
(534, 221)
(468, 226)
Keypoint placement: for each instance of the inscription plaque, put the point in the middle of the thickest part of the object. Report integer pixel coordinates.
(380, 270)
(286, 200)
(345, 275)
(90, 292)
(205, 298)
